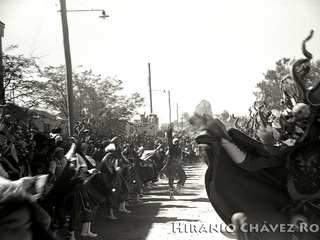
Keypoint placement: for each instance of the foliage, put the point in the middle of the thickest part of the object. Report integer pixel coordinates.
(269, 95)
(270, 85)
(94, 97)
(27, 85)
(164, 127)
(226, 118)
(20, 84)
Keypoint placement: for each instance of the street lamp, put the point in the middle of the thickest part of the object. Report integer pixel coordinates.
(103, 14)
(68, 59)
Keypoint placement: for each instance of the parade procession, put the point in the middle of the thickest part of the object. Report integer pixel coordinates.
(219, 144)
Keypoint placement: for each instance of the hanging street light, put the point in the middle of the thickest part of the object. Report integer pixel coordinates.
(66, 44)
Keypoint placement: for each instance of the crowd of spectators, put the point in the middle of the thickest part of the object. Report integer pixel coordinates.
(78, 176)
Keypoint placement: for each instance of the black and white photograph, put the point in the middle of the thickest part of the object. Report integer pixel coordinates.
(158, 119)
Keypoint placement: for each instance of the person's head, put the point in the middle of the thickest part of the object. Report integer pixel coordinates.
(39, 138)
(301, 111)
(114, 145)
(59, 153)
(104, 144)
(21, 148)
(15, 220)
(20, 217)
(42, 147)
(175, 141)
(84, 148)
(30, 152)
(115, 140)
(60, 143)
(140, 150)
(91, 149)
(3, 139)
(72, 140)
(15, 212)
(111, 148)
(51, 142)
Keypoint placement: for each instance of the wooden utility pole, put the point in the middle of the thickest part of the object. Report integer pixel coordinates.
(169, 106)
(68, 65)
(150, 89)
(1, 64)
(177, 114)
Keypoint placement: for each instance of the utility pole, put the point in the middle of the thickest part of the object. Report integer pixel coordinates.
(1, 64)
(68, 65)
(169, 107)
(182, 122)
(150, 90)
(177, 114)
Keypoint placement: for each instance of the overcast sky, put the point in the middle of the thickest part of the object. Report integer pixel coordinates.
(197, 49)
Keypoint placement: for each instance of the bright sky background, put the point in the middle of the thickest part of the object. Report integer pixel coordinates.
(198, 49)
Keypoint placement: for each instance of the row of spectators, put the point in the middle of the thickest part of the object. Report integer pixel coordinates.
(110, 172)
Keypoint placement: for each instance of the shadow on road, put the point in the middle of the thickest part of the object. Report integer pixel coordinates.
(155, 217)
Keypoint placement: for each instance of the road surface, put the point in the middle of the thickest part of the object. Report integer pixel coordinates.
(191, 216)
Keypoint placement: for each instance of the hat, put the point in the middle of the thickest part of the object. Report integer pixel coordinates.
(105, 143)
(175, 140)
(140, 149)
(39, 137)
(57, 149)
(114, 140)
(110, 148)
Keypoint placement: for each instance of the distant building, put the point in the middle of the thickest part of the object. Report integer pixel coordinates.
(147, 124)
(117, 127)
(45, 122)
(41, 121)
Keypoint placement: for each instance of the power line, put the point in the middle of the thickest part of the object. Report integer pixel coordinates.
(83, 4)
(42, 17)
(95, 32)
(95, 37)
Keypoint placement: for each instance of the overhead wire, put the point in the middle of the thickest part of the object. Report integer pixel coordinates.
(104, 40)
(40, 24)
(103, 37)
(98, 31)
(90, 27)
(83, 4)
(95, 37)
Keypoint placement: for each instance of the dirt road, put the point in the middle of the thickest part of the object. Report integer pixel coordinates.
(191, 216)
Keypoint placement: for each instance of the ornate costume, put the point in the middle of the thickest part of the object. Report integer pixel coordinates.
(272, 182)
